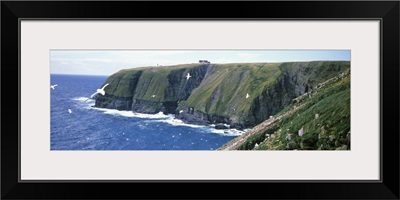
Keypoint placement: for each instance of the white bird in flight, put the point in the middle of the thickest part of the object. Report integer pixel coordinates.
(99, 91)
(247, 95)
(188, 76)
(69, 110)
(53, 86)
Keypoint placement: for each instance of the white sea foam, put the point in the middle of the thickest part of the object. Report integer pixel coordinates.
(83, 99)
(89, 103)
(126, 113)
(177, 122)
(226, 132)
(227, 125)
(160, 117)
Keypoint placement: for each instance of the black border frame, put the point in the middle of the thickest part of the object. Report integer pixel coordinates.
(386, 11)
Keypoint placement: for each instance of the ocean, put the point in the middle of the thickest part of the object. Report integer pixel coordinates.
(90, 128)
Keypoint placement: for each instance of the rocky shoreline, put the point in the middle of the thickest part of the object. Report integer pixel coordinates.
(189, 115)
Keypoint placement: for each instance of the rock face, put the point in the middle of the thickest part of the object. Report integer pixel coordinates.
(301, 131)
(150, 90)
(216, 93)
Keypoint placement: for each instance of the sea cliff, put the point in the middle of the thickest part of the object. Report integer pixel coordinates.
(239, 94)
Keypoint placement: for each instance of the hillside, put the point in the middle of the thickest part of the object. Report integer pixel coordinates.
(317, 120)
(216, 93)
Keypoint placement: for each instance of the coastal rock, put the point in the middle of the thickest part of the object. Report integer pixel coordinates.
(292, 145)
(301, 131)
(221, 126)
(288, 137)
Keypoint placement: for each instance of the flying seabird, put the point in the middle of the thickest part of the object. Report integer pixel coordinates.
(69, 110)
(53, 86)
(99, 91)
(188, 76)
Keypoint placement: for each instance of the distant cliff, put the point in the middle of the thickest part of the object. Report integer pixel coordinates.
(242, 94)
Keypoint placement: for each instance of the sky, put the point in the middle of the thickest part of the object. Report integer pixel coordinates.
(107, 62)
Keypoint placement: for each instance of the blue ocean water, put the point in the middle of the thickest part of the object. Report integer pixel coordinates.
(89, 128)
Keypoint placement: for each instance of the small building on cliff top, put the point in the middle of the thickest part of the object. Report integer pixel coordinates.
(204, 62)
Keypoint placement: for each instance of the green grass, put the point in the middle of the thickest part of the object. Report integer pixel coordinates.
(153, 79)
(121, 83)
(328, 132)
(226, 88)
(257, 139)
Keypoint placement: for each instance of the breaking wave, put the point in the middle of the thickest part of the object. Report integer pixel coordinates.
(159, 117)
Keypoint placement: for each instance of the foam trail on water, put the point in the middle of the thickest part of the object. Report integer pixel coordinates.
(226, 132)
(88, 103)
(124, 113)
(83, 99)
(177, 122)
(160, 117)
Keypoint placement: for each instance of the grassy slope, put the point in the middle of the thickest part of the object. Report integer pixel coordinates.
(154, 79)
(121, 82)
(329, 131)
(226, 88)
